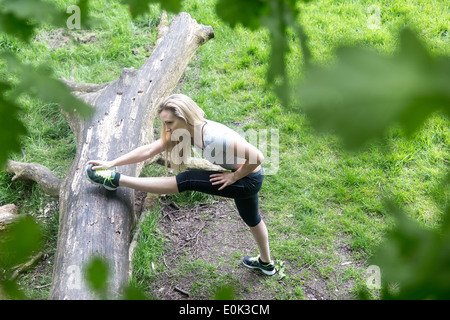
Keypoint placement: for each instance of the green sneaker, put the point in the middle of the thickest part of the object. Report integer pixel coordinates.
(256, 263)
(108, 178)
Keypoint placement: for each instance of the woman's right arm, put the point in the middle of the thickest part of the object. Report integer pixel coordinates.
(137, 155)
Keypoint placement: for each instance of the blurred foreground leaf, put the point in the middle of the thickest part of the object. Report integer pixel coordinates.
(40, 83)
(35, 10)
(248, 13)
(364, 93)
(16, 27)
(19, 241)
(36, 82)
(414, 261)
(11, 128)
(140, 7)
(225, 292)
(20, 18)
(278, 17)
(17, 244)
(96, 276)
(133, 293)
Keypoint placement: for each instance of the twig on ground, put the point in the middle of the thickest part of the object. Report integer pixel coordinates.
(181, 291)
(196, 234)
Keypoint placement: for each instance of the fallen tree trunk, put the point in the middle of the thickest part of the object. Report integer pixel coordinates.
(94, 221)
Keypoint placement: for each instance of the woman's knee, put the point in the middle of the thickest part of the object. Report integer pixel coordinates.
(249, 210)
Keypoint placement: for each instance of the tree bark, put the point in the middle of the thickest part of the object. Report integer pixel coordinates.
(94, 221)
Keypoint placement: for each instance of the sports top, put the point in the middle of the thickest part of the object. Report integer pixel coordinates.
(217, 139)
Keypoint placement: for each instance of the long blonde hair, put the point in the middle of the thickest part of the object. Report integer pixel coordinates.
(185, 108)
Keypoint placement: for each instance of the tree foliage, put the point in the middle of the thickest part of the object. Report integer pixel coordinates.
(364, 93)
(20, 18)
(358, 97)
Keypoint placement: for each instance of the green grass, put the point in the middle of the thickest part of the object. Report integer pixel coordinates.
(322, 197)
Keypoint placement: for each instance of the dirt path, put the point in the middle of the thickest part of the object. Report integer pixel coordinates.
(214, 235)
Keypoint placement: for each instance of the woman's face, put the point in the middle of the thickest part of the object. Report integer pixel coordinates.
(171, 121)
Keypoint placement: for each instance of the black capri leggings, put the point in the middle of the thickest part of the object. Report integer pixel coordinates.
(244, 191)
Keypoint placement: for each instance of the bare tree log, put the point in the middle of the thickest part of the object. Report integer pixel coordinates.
(94, 221)
(48, 181)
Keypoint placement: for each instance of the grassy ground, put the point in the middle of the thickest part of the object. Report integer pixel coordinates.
(322, 199)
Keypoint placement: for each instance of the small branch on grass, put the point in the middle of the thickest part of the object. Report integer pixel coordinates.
(26, 266)
(196, 234)
(43, 286)
(181, 291)
(165, 263)
(46, 179)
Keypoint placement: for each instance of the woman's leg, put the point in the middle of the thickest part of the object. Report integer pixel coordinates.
(261, 237)
(168, 185)
(249, 211)
(159, 185)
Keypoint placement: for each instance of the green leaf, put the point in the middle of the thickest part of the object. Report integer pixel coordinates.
(131, 292)
(20, 17)
(275, 15)
(37, 10)
(364, 93)
(137, 7)
(16, 27)
(39, 82)
(170, 5)
(140, 7)
(19, 242)
(277, 23)
(86, 21)
(97, 274)
(415, 259)
(11, 128)
(224, 292)
(248, 12)
(10, 288)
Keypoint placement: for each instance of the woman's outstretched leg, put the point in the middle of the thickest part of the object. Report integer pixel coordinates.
(159, 185)
(111, 180)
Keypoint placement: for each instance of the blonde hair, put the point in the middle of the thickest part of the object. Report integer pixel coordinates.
(185, 108)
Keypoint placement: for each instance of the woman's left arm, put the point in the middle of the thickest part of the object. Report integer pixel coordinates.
(253, 159)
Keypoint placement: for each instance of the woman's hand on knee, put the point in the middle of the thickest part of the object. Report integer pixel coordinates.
(224, 178)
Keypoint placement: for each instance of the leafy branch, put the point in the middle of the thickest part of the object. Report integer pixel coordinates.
(359, 97)
(20, 19)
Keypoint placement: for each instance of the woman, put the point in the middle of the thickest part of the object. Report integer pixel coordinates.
(183, 121)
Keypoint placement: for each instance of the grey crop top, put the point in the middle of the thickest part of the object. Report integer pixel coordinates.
(217, 139)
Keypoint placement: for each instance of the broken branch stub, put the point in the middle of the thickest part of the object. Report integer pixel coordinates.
(48, 181)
